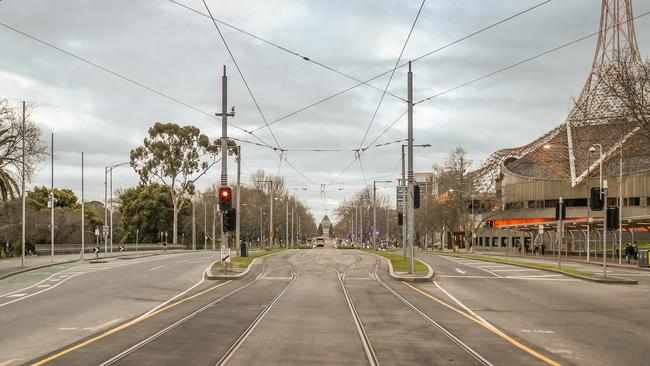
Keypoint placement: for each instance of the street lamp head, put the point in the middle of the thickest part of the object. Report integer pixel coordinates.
(592, 149)
(547, 146)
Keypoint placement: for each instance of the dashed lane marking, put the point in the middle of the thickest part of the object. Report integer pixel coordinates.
(487, 326)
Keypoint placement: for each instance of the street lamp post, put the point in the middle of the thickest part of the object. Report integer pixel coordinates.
(108, 174)
(403, 185)
(603, 195)
(374, 210)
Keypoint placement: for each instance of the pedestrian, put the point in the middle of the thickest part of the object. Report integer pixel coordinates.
(628, 249)
(543, 249)
(635, 252)
(526, 247)
(536, 249)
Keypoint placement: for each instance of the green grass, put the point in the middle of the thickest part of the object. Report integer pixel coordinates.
(521, 263)
(399, 262)
(243, 262)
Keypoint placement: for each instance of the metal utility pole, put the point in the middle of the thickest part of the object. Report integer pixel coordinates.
(193, 224)
(374, 210)
(560, 232)
(404, 218)
(237, 215)
(361, 224)
(214, 226)
(409, 205)
(111, 210)
(620, 208)
(224, 142)
(83, 213)
(52, 199)
(22, 258)
(292, 226)
(271, 233)
(299, 232)
(205, 224)
(104, 233)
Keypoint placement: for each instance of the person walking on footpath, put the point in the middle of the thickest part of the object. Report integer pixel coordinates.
(627, 252)
(543, 249)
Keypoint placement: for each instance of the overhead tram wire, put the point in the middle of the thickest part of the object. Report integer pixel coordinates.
(241, 74)
(123, 77)
(302, 109)
(509, 67)
(250, 92)
(280, 47)
(399, 58)
(524, 61)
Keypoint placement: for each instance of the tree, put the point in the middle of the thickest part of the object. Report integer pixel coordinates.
(176, 156)
(11, 142)
(629, 83)
(147, 208)
(40, 197)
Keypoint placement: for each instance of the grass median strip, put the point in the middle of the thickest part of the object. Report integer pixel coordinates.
(243, 262)
(399, 262)
(533, 265)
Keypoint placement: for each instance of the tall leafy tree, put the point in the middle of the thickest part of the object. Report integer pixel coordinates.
(176, 157)
(40, 197)
(147, 208)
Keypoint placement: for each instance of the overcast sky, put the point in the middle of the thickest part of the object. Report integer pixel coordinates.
(179, 53)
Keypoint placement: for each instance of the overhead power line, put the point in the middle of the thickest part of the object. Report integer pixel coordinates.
(241, 74)
(524, 61)
(122, 77)
(399, 58)
(323, 100)
(280, 47)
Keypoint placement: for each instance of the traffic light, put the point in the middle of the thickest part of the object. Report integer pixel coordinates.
(560, 211)
(229, 220)
(612, 218)
(416, 196)
(225, 199)
(400, 219)
(596, 201)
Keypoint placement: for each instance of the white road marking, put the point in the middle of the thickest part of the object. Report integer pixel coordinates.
(537, 331)
(461, 304)
(103, 325)
(472, 266)
(513, 270)
(184, 260)
(155, 268)
(460, 271)
(69, 328)
(41, 286)
(16, 295)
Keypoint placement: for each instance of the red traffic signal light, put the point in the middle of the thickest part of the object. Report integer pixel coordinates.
(225, 198)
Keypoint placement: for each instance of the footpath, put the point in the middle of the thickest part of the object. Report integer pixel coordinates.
(549, 257)
(12, 266)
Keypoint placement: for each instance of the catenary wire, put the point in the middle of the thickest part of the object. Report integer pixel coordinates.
(278, 46)
(529, 59)
(122, 77)
(241, 74)
(323, 100)
(390, 79)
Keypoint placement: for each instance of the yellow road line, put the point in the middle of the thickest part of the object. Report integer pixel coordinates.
(488, 327)
(124, 326)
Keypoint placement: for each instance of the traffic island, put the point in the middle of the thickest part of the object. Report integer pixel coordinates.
(398, 267)
(586, 276)
(238, 267)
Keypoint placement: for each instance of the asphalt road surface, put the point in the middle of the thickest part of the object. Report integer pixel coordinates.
(48, 308)
(583, 322)
(306, 307)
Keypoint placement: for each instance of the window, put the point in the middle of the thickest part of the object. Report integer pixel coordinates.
(611, 202)
(577, 202)
(632, 201)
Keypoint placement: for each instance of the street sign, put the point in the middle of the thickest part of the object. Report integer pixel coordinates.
(105, 230)
(96, 231)
(540, 229)
(225, 255)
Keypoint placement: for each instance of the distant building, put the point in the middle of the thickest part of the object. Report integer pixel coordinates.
(424, 180)
(326, 225)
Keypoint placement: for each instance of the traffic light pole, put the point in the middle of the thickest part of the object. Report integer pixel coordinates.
(224, 144)
(410, 209)
(237, 243)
